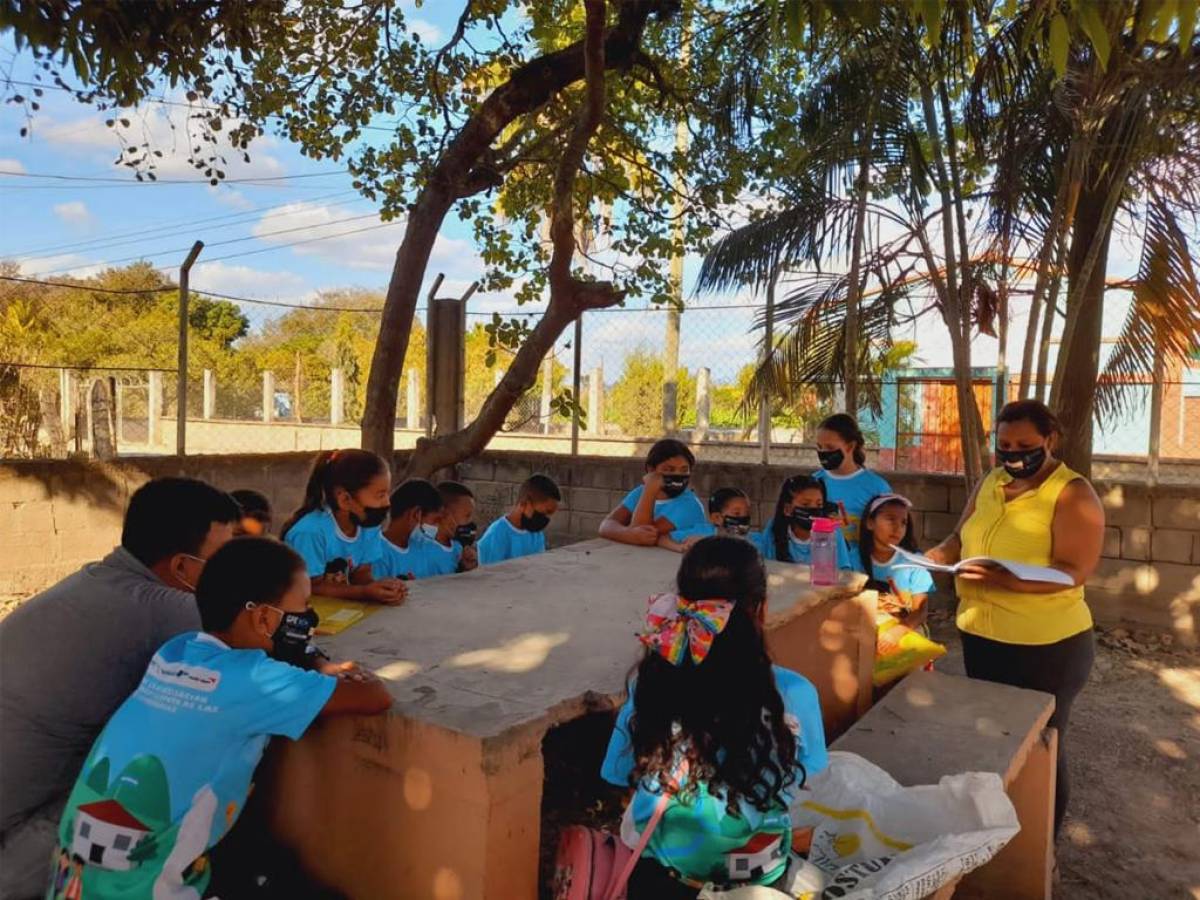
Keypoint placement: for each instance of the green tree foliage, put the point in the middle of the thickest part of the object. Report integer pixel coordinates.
(635, 401)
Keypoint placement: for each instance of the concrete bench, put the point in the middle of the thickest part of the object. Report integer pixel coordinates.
(442, 797)
(933, 724)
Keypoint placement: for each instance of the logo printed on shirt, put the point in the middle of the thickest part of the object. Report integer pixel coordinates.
(180, 674)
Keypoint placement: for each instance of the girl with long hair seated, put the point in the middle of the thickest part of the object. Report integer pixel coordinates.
(730, 736)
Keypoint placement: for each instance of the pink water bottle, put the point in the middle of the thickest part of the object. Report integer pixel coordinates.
(823, 569)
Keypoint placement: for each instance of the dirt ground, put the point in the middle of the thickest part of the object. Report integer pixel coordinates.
(1133, 827)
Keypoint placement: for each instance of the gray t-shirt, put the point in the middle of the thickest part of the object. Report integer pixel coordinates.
(68, 658)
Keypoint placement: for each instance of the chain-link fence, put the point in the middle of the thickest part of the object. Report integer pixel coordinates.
(274, 376)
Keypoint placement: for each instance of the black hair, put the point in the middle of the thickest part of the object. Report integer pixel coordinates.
(538, 488)
(728, 708)
(452, 490)
(668, 448)
(866, 537)
(352, 470)
(1035, 413)
(721, 497)
(253, 504)
(245, 570)
(845, 427)
(173, 515)
(780, 523)
(418, 492)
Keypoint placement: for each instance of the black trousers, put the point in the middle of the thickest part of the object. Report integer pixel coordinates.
(1060, 669)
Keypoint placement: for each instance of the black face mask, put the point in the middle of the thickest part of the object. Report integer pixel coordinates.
(465, 534)
(739, 525)
(830, 459)
(537, 522)
(674, 485)
(372, 516)
(802, 516)
(291, 638)
(1022, 463)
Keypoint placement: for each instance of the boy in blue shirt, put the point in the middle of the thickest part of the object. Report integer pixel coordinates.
(404, 550)
(522, 531)
(662, 504)
(451, 548)
(171, 771)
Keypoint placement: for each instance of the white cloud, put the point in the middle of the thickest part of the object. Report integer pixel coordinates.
(75, 266)
(227, 196)
(425, 30)
(74, 212)
(166, 129)
(373, 250)
(244, 281)
(11, 165)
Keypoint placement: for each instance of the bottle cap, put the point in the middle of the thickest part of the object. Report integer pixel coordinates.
(824, 526)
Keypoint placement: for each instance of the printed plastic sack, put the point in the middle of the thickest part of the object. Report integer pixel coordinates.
(874, 839)
(899, 650)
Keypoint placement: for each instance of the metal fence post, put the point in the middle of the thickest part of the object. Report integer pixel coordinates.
(577, 384)
(182, 368)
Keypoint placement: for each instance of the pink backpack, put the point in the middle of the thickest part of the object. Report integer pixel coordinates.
(595, 865)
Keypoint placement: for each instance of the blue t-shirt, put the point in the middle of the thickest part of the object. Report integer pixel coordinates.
(440, 559)
(801, 551)
(169, 774)
(853, 492)
(683, 512)
(319, 540)
(700, 839)
(910, 579)
(504, 540)
(417, 560)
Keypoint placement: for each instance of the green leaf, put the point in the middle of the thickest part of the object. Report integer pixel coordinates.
(1164, 21)
(931, 13)
(1060, 43)
(1093, 26)
(1187, 23)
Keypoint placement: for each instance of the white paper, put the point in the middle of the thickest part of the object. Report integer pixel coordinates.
(1023, 571)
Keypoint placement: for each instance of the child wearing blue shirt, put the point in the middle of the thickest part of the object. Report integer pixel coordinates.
(170, 773)
(336, 528)
(787, 537)
(841, 449)
(728, 513)
(662, 504)
(522, 531)
(451, 548)
(404, 550)
(706, 687)
(904, 591)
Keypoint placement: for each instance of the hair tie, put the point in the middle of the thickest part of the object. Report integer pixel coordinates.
(676, 626)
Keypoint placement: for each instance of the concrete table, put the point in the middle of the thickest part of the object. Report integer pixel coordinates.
(932, 725)
(442, 797)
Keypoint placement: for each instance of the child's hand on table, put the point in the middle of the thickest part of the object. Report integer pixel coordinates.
(347, 670)
(470, 558)
(643, 535)
(388, 591)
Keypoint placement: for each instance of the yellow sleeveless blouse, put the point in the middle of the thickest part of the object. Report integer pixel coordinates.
(1020, 530)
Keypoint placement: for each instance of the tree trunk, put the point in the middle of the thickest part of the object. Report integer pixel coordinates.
(1078, 363)
(465, 169)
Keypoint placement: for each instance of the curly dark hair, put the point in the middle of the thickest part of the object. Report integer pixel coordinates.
(728, 709)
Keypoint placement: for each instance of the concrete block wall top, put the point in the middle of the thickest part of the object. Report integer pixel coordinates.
(507, 651)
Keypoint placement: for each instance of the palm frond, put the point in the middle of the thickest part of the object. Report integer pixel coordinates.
(1163, 323)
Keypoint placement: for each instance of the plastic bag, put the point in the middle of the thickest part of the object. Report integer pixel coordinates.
(899, 650)
(874, 839)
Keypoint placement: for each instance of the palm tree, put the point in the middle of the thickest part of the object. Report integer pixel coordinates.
(877, 138)
(1108, 130)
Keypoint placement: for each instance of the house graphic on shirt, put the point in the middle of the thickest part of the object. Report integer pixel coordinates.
(107, 830)
(756, 857)
(105, 833)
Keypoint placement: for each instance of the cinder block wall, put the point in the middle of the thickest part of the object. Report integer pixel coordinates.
(57, 515)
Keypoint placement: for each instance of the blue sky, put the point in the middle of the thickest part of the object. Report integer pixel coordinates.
(75, 227)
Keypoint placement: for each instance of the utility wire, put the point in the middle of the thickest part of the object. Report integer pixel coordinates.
(207, 181)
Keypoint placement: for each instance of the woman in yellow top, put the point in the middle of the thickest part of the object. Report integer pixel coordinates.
(1032, 509)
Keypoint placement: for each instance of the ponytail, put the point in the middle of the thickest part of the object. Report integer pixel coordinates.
(845, 427)
(351, 470)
